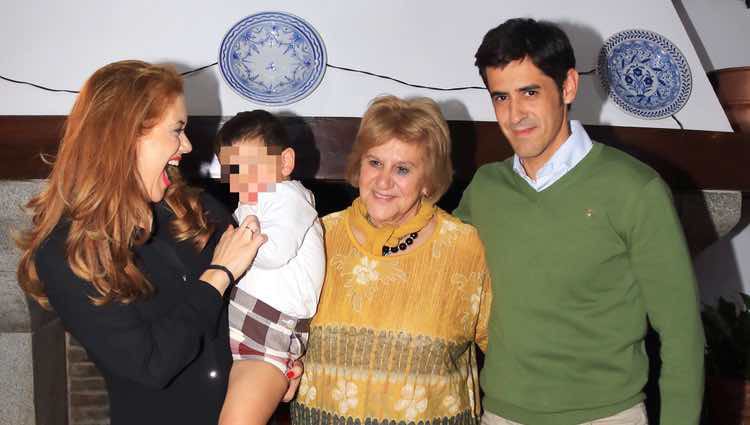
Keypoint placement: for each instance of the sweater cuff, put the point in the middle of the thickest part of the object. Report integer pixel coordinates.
(208, 304)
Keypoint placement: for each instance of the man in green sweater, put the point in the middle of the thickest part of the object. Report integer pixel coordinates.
(584, 248)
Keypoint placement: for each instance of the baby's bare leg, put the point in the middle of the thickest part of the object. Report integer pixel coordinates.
(255, 389)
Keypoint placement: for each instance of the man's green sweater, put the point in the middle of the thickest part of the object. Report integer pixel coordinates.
(576, 271)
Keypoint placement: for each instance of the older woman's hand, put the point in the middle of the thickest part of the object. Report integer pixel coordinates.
(235, 251)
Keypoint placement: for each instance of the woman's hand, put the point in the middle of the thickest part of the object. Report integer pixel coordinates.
(236, 250)
(294, 375)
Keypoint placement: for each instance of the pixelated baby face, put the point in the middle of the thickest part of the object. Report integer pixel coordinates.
(250, 168)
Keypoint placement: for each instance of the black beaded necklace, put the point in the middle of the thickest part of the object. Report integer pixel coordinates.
(387, 250)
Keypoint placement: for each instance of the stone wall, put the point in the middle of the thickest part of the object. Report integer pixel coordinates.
(708, 215)
(33, 389)
(89, 403)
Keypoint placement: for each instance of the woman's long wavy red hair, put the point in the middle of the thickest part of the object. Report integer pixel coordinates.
(95, 186)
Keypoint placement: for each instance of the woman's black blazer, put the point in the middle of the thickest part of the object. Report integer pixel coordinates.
(165, 359)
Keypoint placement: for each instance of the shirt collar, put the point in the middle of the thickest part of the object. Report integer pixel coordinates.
(567, 156)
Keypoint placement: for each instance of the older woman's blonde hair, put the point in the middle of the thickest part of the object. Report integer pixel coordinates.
(416, 121)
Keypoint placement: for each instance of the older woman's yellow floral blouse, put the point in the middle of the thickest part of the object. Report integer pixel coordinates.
(393, 339)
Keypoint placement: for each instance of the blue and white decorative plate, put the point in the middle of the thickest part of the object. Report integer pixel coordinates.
(645, 74)
(272, 58)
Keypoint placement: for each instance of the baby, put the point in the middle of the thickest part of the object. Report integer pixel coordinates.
(271, 306)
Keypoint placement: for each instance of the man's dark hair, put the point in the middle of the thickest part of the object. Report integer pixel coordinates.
(543, 42)
(251, 124)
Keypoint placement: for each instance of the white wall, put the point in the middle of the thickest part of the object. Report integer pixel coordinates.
(720, 30)
(428, 42)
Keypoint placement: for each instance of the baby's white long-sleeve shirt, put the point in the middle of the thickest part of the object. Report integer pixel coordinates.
(289, 269)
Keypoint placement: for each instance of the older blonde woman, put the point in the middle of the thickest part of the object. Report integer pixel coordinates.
(406, 292)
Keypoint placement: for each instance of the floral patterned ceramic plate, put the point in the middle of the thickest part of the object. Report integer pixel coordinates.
(272, 58)
(645, 74)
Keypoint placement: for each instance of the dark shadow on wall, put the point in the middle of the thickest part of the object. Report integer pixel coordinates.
(302, 140)
(463, 148)
(692, 33)
(204, 119)
(717, 264)
(330, 195)
(587, 43)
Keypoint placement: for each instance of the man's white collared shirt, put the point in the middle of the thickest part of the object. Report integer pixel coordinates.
(567, 156)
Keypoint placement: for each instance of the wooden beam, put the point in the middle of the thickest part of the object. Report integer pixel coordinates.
(687, 159)
(22, 141)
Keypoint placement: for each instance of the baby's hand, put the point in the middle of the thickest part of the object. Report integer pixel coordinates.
(294, 374)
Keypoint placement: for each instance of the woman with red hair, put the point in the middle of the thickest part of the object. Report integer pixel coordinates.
(133, 261)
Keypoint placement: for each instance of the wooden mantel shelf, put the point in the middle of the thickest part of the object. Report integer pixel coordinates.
(687, 159)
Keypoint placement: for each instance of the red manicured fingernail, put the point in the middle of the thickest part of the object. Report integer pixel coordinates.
(290, 374)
